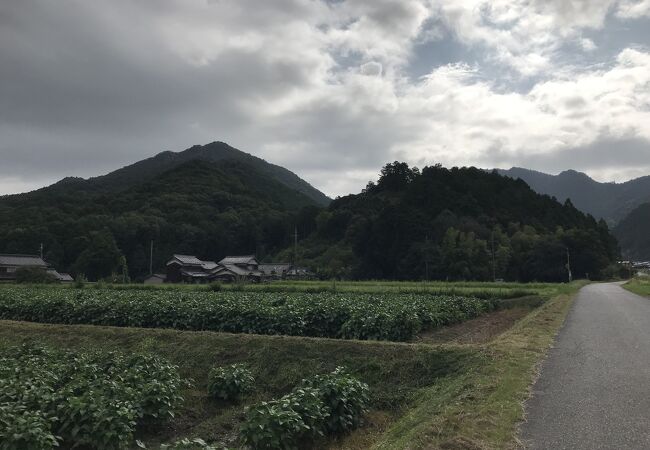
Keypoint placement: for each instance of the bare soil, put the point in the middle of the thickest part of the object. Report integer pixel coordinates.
(475, 331)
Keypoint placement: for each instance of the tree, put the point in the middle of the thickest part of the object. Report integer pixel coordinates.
(101, 258)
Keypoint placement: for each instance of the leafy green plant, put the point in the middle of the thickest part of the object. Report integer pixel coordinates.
(89, 400)
(273, 425)
(22, 429)
(332, 403)
(230, 382)
(344, 397)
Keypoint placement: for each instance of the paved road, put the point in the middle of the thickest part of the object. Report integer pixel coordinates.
(594, 388)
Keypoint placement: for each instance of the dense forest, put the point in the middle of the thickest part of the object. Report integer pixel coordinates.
(209, 209)
(211, 201)
(456, 224)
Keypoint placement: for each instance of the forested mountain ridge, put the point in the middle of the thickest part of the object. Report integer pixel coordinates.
(149, 168)
(609, 201)
(633, 233)
(205, 208)
(449, 224)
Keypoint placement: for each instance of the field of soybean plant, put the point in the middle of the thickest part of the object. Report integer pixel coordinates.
(286, 365)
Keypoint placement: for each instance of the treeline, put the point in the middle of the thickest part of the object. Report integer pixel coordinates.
(437, 223)
(200, 208)
(456, 224)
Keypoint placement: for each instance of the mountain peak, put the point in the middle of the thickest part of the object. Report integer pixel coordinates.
(215, 151)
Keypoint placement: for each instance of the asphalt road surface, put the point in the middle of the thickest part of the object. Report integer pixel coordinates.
(594, 387)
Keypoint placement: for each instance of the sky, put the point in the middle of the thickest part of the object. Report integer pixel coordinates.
(331, 89)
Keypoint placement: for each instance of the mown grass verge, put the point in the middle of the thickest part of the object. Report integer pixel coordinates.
(481, 407)
(638, 286)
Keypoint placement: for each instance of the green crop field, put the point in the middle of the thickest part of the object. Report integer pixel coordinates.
(418, 395)
(396, 317)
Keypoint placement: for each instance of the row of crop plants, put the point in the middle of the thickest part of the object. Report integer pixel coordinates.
(63, 399)
(395, 317)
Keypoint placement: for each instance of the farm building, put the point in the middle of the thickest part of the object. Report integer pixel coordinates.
(190, 269)
(10, 264)
(156, 278)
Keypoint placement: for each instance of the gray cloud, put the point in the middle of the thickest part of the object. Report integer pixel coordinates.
(332, 90)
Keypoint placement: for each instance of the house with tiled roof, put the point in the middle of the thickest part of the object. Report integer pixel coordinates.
(10, 264)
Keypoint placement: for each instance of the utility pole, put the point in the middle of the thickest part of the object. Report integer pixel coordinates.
(41, 250)
(426, 257)
(295, 245)
(151, 258)
(494, 266)
(568, 264)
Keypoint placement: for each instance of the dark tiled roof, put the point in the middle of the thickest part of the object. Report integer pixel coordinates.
(22, 260)
(59, 276)
(186, 260)
(209, 265)
(247, 259)
(236, 270)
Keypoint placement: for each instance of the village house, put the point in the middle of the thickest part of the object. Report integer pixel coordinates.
(190, 269)
(10, 264)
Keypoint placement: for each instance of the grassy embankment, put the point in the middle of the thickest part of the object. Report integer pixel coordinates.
(639, 286)
(424, 396)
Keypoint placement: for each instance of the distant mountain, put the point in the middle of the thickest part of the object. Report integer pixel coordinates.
(209, 201)
(149, 168)
(633, 234)
(456, 224)
(609, 201)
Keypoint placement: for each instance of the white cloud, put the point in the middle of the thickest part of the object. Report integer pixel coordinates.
(633, 9)
(588, 45)
(323, 88)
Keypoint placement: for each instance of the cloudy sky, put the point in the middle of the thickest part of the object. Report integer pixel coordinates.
(330, 89)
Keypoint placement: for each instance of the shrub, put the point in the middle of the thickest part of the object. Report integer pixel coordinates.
(331, 403)
(308, 403)
(231, 382)
(79, 281)
(273, 425)
(345, 398)
(33, 275)
(215, 286)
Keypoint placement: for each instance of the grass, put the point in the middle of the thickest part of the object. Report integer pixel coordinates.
(639, 286)
(396, 373)
(481, 407)
(424, 396)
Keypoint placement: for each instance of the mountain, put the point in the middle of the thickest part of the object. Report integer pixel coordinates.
(210, 201)
(214, 152)
(609, 201)
(633, 234)
(456, 224)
